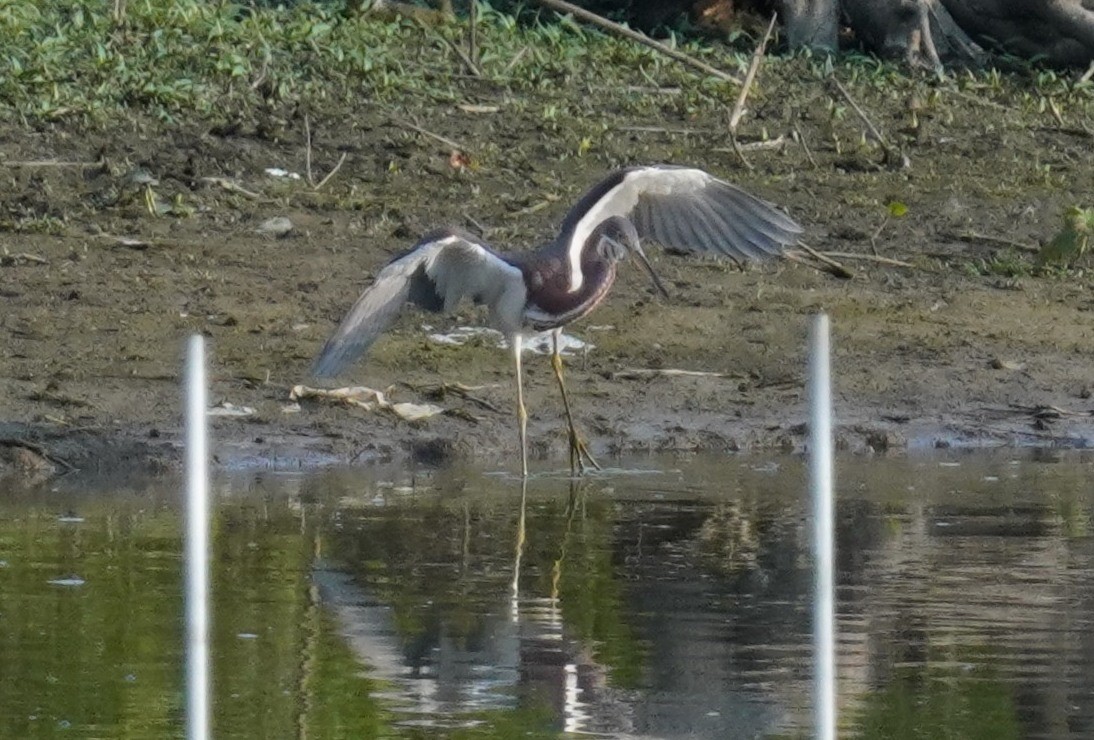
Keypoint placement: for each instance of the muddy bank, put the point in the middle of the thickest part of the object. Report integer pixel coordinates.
(99, 287)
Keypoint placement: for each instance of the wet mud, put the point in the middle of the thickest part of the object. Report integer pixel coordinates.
(119, 241)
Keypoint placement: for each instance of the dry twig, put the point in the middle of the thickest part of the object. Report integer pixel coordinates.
(516, 58)
(231, 187)
(664, 130)
(468, 61)
(473, 36)
(307, 150)
(974, 236)
(49, 163)
(827, 263)
(635, 373)
(1088, 74)
(777, 143)
(11, 259)
(307, 159)
(805, 146)
(750, 76)
(892, 155)
(425, 132)
(325, 180)
(868, 258)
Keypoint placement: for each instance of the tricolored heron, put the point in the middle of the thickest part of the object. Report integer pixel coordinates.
(682, 208)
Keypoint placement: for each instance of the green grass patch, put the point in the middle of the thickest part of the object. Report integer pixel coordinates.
(64, 59)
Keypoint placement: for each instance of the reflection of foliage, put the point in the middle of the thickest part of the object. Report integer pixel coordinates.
(737, 537)
(102, 654)
(339, 702)
(443, 561)
(1074, 518)
(523, 722)
(730, 537)
(571, 547)
(592, 602)
(924, 701)
(108, 655)
(431, 562)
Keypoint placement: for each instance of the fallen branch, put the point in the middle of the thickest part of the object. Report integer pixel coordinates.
(307, 150)
(1050, 411)
(641, 38)
(333, 172)
(830, 265)
(49, 163)
(1088, 74)
(426, 132)
(892, 155)
(869, 258)
(307, 159)
(534, 208)
(11, 259)
(750, 76)
(516, 58)
(665, 130)
(126, 241)
(1084, 133)
(231, 187)
(461, 390)
(974, 236)
(635, 373)
(468, 61)
(805, 146)
(777, 143)
(473, 36)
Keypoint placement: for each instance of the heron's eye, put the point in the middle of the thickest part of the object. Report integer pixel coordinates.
(611, 248)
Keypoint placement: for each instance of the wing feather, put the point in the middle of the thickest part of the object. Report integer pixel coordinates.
(706, 227)
(435, 274)
(738, 246)
(685, 209)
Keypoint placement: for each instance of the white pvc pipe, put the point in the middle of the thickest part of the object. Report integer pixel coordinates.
(197, 544)
(824, 564)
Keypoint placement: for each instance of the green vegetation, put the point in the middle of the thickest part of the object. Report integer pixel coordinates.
(65, 59)
(1071, 242)
(75, 59)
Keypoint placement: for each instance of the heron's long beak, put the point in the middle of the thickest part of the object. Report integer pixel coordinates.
(649, 268)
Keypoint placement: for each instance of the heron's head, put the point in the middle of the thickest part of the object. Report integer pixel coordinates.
(616, 238)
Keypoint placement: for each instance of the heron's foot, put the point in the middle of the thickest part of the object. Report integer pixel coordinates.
(579, 454)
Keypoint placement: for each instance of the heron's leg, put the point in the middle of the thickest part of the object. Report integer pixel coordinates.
(522, 413)
(579, 451)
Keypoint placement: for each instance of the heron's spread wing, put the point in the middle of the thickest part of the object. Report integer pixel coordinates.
(685, 209)
(435, 274)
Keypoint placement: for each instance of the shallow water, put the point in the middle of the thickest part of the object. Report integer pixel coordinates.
(671, 599)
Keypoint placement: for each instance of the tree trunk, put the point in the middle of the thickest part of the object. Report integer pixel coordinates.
(1060, 31)
(812, 24)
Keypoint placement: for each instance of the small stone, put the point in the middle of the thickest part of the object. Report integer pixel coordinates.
(277, 227)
